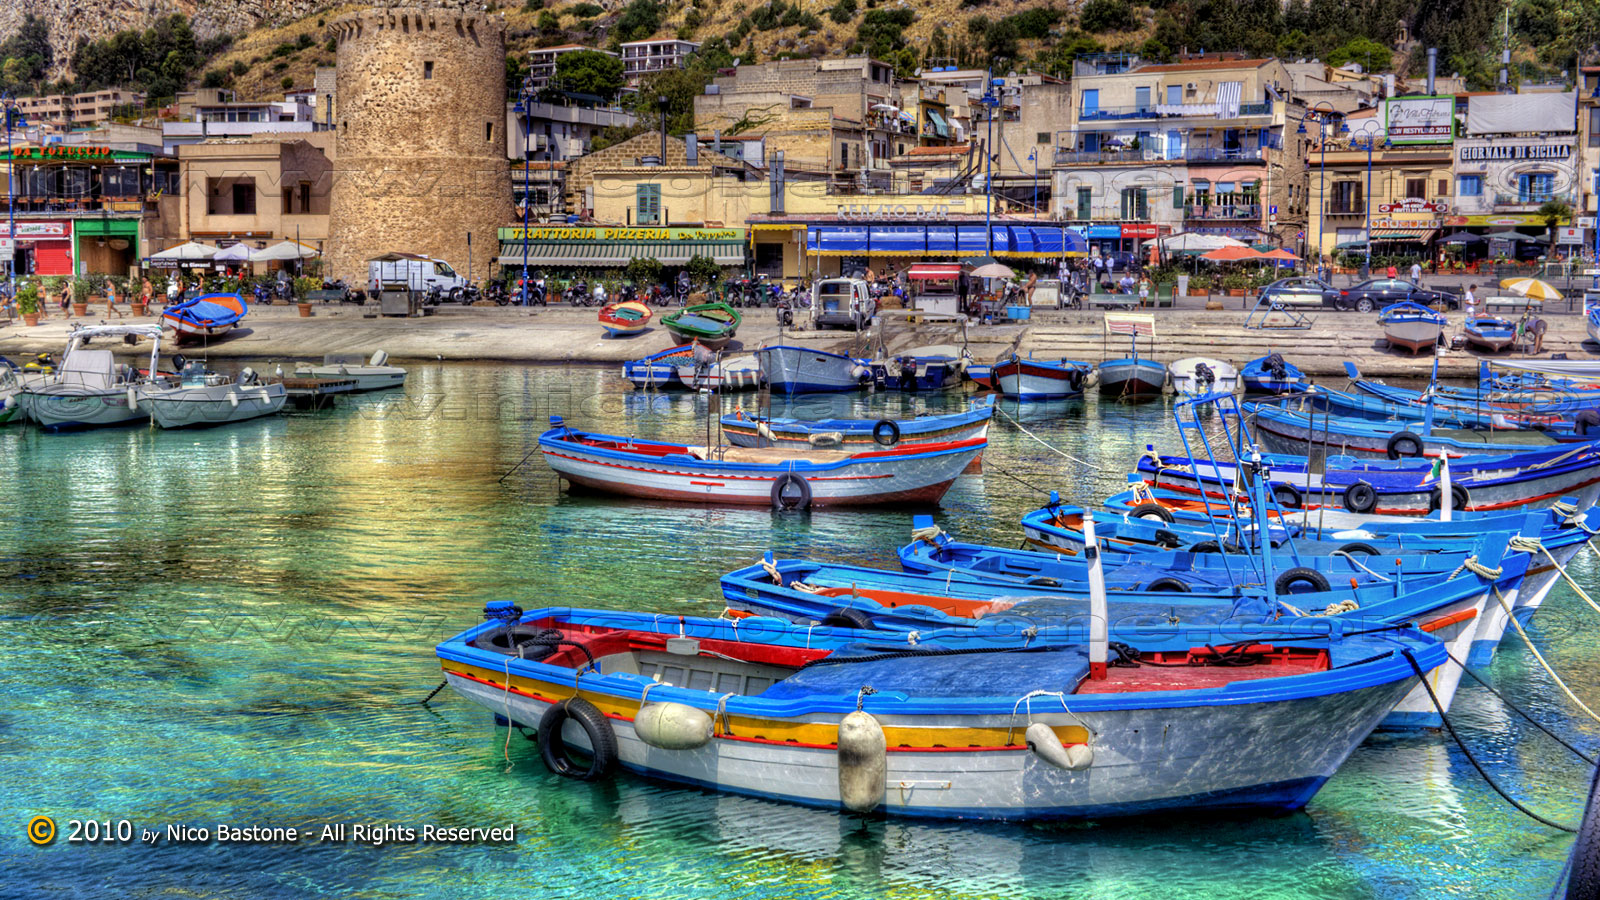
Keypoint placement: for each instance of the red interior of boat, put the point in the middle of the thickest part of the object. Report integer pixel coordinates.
(953, 606)
(1187, 672)
(601, 641)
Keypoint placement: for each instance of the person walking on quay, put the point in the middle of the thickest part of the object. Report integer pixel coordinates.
(111, 301)
(1144, 291)
(1470, 299)
(1391, 272)
(1416, 272)
(146, 291)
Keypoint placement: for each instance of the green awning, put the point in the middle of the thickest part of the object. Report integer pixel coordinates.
(939, 126)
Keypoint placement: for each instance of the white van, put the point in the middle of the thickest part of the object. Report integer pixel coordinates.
(419, 273)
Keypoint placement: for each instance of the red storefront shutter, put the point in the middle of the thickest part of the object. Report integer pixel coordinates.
(52, 257)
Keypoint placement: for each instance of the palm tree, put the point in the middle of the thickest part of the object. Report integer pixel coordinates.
(1553, 213)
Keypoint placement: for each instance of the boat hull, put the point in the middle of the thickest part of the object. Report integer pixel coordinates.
(63, 407)
(1132, 378)
(1415, 336)
(742, 374)
(800, 370)
(1186, 381)
(1026, 379)
(218, 405)
(854, 434)
(367, 378)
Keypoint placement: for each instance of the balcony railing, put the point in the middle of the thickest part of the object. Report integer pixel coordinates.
(1344, 208)
(1531, 200)
(1170, 111)
(1191, 154)
(1213, 211)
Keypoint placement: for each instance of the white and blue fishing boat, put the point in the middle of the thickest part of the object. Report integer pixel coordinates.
(921, 369)
(745, 430)
(1196, 376)
(786, 479)
(807, 370)
(659, 369)
(1412, 326)
(89, 388)
(205, 316)
(1301, 423)
(1271, 374)
(1131, 377)
(960, 723)
(1032, 378)
(1491, 333)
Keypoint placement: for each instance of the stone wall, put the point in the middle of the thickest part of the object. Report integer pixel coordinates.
(420, 149)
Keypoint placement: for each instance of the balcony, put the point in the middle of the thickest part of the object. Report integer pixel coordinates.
(1171, 111)
(1531, 201)
(1224, 211)
(1344, 208)
(1223, 154)
(1190, 154)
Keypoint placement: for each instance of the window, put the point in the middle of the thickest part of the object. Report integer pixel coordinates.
(288, 201)
(488, 132)
(427, 69)
(1346, 198)
(1141, 98)
(1177, 196)
(305, 196)
(1135, 204)
(1174, 94)
(647, 200)
(1084, 199)
(769, 259)
(1469, 185)
(1444, 188)
(1042, 137)
(1174, 145)
(1594, 128)
(1416, 188)
(244, 197)
(1091, 104)
(443, 268)
(1535, 187)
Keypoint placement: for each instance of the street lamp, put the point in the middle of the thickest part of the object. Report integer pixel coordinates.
(990, 103)
(13, 117)
(1322, 173)
(525, 111)
(1367, 143)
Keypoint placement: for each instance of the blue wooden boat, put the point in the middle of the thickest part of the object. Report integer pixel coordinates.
(744, 430)
(1031, 378)
(954, 725)
(1301, 422)
(1271, 374)
(659, 369)
(807, 370)
(205, 316)
(1132, 377)
(921, 369)
(1544, 407)
(1491, 333)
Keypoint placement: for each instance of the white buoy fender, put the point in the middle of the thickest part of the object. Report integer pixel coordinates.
(233, 399)
(133, 398)
(1046, 745)
(672, 726)
(863, 765)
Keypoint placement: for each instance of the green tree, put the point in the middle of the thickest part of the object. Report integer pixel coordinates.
(549, 24)
(30, 47)
(704, 271)
(638, 21)
(1373, 56)
(1056, 59)
(882, 31)
(680, 87)
(1552, 213)
(588, 72)
(842, 11)
(1000, 39)
(1107, 15)
(643, 270)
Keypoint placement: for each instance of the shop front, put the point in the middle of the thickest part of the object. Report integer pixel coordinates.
(850, 248)
(106, 246)
(613, 247)
(44, 247)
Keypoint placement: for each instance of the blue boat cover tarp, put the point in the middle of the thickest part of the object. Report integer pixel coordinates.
(929, 675)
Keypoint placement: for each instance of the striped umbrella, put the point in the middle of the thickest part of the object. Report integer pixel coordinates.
(1531, 287)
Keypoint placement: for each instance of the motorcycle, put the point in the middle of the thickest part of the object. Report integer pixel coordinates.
(262, 295)
(578, 294)
(434, 297)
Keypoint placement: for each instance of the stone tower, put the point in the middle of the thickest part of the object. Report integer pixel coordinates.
(421, 149)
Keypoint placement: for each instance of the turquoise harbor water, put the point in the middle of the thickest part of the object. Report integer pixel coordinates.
(235, 627)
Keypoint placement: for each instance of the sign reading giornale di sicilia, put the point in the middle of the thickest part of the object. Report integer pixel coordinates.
(620, 233)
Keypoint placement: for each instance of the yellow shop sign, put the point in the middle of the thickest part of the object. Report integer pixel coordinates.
(618, 233)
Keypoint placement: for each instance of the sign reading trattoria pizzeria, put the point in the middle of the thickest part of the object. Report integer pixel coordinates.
(1492, 152)
(620, 233)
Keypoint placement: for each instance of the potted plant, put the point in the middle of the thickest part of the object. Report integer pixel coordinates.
(302, 287)
(28, 303)
(80, 296)
(1235, 283)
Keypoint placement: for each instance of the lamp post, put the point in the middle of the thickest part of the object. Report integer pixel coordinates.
(1322, 171)
(8, 107)
(522, 109)
(990, 103)
(1367, 143)
(1033, 157)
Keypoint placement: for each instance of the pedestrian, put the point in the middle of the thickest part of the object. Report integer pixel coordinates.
(1416, 272)
(1126, 284)
(1536, 329)
(146, 291)
(1028, 289)
(1390, 272)
(1470, 300)
(111, 301)
(1144, 291)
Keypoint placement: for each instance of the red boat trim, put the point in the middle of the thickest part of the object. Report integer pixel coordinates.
(1433, 625)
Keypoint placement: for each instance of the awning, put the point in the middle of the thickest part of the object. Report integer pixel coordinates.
(933, 271)
(939, 126)
(608, 254)
(1404, 235)
(943, 240)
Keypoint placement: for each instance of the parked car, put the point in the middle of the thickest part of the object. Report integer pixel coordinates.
(1300, 291)
(1376, 293)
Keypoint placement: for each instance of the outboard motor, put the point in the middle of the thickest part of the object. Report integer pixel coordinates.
(1274, 364)
(379, 358)
(1204, 376)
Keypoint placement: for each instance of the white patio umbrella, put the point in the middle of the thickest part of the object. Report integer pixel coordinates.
(187, 252)
(1189, 241)
(284, 250)
(236, 253)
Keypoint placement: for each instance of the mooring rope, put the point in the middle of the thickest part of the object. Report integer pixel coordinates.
(1519, 710)
(1047, 444)
(1540, 657)
(1528, 545)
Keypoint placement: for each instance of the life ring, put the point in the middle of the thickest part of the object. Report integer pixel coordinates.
(1301, 575)
(1151, 510)
(893, 432)
(1287, 496)
(1168, 584)
(848, 617)
(1402, 444)
(1458, 498)
(1360, 498)
(780, 498)
(602, 740)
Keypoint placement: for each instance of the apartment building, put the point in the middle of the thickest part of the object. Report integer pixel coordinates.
(542, 62)
(89, 108)
(641, 58)
(216, 112)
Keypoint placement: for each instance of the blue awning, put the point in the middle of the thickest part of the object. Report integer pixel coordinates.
(944, 240)
(911, 240)
(837, 238)
(1023, 240)
(941, 240)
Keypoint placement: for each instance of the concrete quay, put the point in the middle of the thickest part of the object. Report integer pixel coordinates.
(566, 335)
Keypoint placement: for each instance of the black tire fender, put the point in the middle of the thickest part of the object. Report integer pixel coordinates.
(886, 432)
(1360, 497)
(1151, 510)
(1361, 547)
(1168, 584)
(1287, 496)
(848, 617)
(1043, 581)
(1403, 439)
(602, 740)
(1584, 882)
(780, 489)
(1168, 539)
(1206, 547)
(1301, 575)
(1459, 498)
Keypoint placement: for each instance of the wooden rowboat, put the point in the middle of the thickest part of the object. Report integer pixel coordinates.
(625, 318)
(712, 324)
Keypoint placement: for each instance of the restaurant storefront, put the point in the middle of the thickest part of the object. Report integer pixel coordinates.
(850, 247)
(603, 246)
(44, 247)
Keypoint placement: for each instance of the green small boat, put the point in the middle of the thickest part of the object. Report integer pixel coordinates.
(712, 324)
